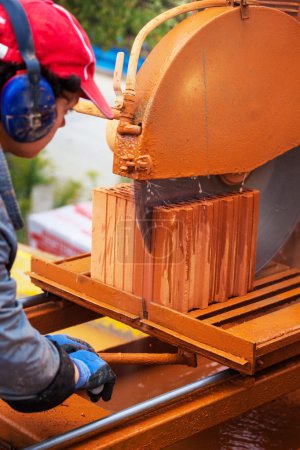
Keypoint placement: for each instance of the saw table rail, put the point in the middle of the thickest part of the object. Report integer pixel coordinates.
(117, 419)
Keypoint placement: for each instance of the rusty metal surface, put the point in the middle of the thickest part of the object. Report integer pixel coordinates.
(53, 314)
(49, 313)
(135, 411)
(167, 424)
(208, 102)
(146, 359)
(212, 406)
(21, 430)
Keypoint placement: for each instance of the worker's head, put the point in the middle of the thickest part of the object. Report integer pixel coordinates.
(67, 65)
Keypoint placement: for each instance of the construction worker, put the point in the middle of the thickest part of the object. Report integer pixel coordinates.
(46, 64)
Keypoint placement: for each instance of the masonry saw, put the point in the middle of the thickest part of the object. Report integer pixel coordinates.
(215, 108)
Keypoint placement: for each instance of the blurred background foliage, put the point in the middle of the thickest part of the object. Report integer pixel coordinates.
(25, 175)
(28, 174)
(111, 23)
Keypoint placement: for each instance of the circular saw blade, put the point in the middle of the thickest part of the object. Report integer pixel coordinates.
(279, 185)
(278, 182)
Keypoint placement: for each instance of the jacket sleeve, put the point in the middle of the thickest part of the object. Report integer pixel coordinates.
(34, 374)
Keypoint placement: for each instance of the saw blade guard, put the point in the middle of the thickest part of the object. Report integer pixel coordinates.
(213, 97)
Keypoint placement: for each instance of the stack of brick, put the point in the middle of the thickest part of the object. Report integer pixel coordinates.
(203, 251)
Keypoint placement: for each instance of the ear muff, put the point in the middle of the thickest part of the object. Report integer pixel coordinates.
(27, 114)
(27, 101)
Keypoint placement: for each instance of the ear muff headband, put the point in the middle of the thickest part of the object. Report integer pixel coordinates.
(27, 101)
(22, 30)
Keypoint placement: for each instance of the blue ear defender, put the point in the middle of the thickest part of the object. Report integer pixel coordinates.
(28, 109)
(24, 118)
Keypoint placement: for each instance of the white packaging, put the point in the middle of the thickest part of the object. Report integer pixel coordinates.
(64, 231)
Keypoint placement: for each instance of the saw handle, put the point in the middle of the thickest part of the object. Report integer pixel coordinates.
(87, 107)
(154, 23)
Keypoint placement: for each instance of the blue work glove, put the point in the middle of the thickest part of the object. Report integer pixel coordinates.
(95, 375)
(68, 343)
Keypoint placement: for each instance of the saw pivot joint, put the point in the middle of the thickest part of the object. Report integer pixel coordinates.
(130, 164)
(143, 164)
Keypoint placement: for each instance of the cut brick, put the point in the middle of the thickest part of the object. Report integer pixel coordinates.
(202, 251)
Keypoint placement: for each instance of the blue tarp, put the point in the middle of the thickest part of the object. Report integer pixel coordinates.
(105, 59)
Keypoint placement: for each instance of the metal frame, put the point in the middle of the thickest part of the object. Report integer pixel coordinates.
(155, 423)
(221, 332)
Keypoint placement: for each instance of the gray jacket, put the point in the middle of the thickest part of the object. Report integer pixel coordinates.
(28, 361)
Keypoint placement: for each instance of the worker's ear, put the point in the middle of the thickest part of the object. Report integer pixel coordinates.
(71, 98)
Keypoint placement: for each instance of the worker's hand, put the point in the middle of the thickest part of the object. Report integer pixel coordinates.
(94, 374)
(69, 344)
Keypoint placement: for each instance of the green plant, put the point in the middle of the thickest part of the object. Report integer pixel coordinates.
(26, 174)
(125, 180)
(67, 193)
(116, 22)
(92, 176)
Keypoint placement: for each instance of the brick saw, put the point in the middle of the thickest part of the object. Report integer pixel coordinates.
(215, 108)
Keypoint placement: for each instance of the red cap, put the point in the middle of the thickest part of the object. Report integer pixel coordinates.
(61, 45)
